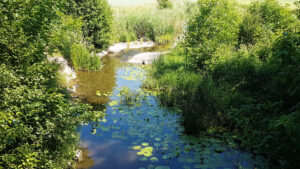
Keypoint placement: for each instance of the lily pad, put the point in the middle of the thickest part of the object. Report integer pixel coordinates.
(145, 144)
(143, 159)
(158, 139)
(137, 147)
(154, 159)
(156, 144)
(162, 167)
(147, 151)
(113, 103)
(151, 166)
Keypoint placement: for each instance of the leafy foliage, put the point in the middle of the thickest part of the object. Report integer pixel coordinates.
(164, 4)
(38, 119)
(263, 21)
(97, 18)
(219, 27)
(239, 75)
(66, 37)
(23, 39)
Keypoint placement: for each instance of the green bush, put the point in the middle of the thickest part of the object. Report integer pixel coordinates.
(213, 28)
(297, 10)
(97, 18)
(143, 28)
(66, 37)
(164, 4)
(244, 80)
(24, 27)
(65, 32)
(263, 21)
(38, 120)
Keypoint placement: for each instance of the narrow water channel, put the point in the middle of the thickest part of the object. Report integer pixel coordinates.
(144, 134)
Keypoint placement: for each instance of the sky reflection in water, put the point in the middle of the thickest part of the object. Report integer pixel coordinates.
(146, 128)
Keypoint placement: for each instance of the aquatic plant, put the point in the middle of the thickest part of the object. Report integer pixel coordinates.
(131, 97)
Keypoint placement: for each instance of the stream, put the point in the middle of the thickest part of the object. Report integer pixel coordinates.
(144, 134)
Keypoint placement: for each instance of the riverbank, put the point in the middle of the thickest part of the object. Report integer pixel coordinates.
(138, 131)
(234, 74)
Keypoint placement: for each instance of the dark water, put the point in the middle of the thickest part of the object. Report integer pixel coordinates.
(144, 135)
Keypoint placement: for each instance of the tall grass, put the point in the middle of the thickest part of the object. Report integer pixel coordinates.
(82, 59)
(149, 22)
(66, 37)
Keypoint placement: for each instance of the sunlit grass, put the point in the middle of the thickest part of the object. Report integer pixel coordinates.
(128, 2)
(290, 2)
(150, 23)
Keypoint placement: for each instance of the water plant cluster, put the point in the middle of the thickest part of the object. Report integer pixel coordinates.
(153, 135)
(236, 73)
(38, 118)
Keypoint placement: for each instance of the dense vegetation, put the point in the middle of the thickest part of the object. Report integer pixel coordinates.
(163, 4)
(97, 18)
(236, 74)
(38, 119)
(150, 22)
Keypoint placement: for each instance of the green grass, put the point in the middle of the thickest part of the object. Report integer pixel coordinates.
(82, 59)
(150, 23)
(128, 2)
(290, 2)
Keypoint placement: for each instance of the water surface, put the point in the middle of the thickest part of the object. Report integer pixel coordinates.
(144, 135)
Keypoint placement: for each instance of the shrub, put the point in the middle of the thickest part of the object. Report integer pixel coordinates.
(251, 88)
(97, 18)
(164, 4)
(38, 122)
(143, 28)
(38, 119)
(264, 20)
(24, 28)
(214, 27)
(297, 10)
(66, 37)
(66, 31)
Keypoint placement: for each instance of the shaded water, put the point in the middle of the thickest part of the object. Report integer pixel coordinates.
(144, 134)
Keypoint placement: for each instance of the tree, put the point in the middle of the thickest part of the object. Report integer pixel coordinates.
(212, 29)
(97, 18)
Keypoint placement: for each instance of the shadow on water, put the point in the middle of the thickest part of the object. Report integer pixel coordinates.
(91, 81)
(144, 134)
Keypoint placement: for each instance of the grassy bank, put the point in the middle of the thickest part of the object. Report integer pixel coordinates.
(235, 74)
(148, 22)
